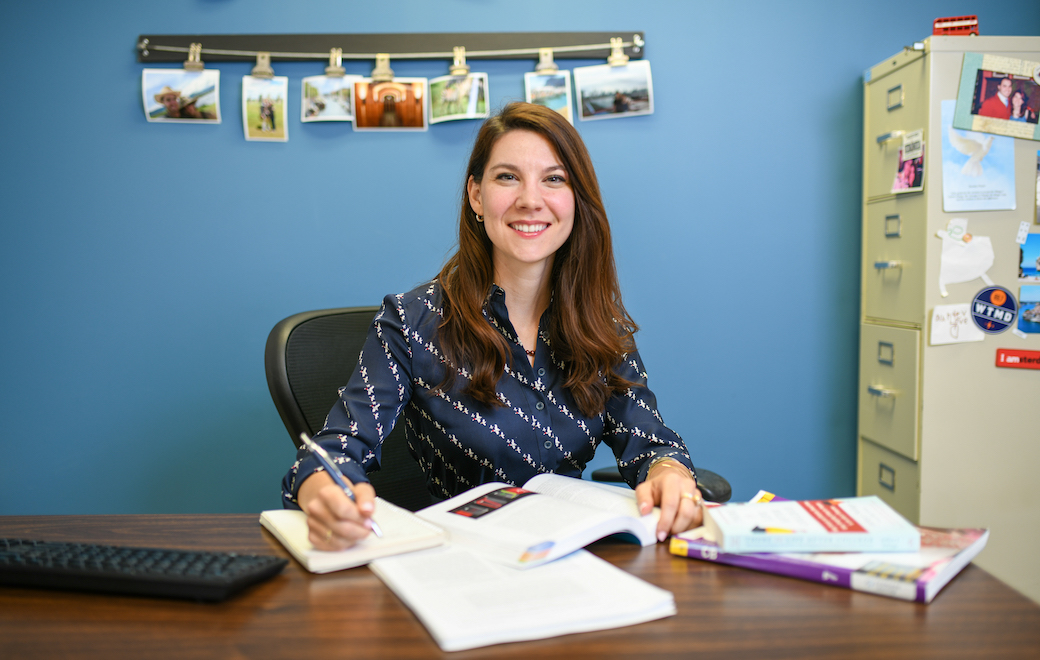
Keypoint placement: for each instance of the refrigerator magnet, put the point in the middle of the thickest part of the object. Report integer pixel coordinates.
(994, 309)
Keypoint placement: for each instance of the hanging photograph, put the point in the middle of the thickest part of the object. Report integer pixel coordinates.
(176, 95)
(1029, 312)
(551, 90)
(909, 173)
(998, 95)
(978, 169)
(398, 105)
(1029, 259)
(609, 92)
(327, 98)
(264, 105)
(459, 97)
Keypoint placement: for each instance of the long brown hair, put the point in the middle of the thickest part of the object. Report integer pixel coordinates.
(589, 329)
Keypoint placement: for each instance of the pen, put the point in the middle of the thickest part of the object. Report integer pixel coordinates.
(337, 476)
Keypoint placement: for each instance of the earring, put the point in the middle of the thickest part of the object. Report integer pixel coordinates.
(480, 218)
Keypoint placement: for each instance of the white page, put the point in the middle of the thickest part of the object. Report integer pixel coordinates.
(466, 601)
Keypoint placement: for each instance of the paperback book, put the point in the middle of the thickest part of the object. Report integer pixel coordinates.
(916, 576)
(403, 531)
(467, 600)
(852, 524)
(549, 517)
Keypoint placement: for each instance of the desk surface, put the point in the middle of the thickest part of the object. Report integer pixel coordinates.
(722, 611)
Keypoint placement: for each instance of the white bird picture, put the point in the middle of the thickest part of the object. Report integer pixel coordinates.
(975, 150)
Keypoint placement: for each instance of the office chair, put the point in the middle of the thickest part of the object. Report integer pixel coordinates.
(310, 355)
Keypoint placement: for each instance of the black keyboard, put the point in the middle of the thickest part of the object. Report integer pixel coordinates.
(211, 576)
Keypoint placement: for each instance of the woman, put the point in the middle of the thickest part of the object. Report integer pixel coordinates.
(1020, 107)
(528, 314)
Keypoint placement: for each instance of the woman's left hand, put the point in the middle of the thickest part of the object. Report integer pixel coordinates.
(670, 486)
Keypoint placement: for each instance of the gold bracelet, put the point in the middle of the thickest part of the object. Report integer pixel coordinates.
(662, 459)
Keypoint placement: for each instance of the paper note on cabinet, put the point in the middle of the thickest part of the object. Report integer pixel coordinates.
(952, 324)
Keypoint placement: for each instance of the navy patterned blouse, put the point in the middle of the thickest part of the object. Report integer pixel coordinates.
(460, 442)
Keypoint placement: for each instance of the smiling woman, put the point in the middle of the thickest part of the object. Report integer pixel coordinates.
(517, 360)
(527, 207)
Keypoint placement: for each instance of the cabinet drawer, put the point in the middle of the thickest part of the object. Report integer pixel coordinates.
(893, 259)
(895, 102)
(892, 477)
(888, 396)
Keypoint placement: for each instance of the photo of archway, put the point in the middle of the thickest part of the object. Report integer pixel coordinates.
(398, 105)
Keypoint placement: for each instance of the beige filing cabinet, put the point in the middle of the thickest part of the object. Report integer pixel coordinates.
(945, 436)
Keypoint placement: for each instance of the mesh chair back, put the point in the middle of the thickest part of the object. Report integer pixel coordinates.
(309, 356)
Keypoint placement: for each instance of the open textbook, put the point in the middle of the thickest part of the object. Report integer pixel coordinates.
(548, 518)
(466, 600)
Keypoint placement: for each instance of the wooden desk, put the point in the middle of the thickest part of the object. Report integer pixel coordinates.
(723, 611)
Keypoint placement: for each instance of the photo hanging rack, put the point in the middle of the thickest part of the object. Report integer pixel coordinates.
(418, 46)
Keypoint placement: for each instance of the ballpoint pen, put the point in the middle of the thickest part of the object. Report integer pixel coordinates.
(337, 476)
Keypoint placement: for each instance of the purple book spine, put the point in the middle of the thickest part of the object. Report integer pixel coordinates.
(769, 563)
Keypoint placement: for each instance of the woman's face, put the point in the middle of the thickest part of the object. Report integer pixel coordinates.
(527, 202)
(1017, 99)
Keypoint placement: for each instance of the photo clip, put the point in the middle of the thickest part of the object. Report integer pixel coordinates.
(546, 65)
(263, 66)
(194, 61)
(335, 68)
(617, 52)
(382, 71)
(459, 66)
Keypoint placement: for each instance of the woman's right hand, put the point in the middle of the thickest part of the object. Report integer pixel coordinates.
(335, 522)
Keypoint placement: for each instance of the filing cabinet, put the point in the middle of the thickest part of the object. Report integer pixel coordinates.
(943, 435)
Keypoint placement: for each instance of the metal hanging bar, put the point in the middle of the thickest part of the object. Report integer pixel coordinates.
(505, 45)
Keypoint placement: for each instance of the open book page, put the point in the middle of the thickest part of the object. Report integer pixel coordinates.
(466, 601)
(619, 501)
(523, 528)
(403, 531)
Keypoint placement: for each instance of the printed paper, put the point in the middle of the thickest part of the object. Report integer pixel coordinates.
(978, 170)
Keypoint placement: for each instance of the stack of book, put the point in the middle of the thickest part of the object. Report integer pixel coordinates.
(857, 543)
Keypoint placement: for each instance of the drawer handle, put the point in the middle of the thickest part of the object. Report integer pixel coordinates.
(882, 392)
(881, 139)
(893, 226)
(886, 477)
(885, 265)
(895, 98)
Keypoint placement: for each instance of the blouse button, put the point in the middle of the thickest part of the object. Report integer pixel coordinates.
(547, 444)
(541, 371)
(539, 405)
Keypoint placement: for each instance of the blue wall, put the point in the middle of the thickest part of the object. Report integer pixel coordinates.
(144, 264)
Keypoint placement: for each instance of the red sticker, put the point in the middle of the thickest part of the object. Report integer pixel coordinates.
(1009, 357)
